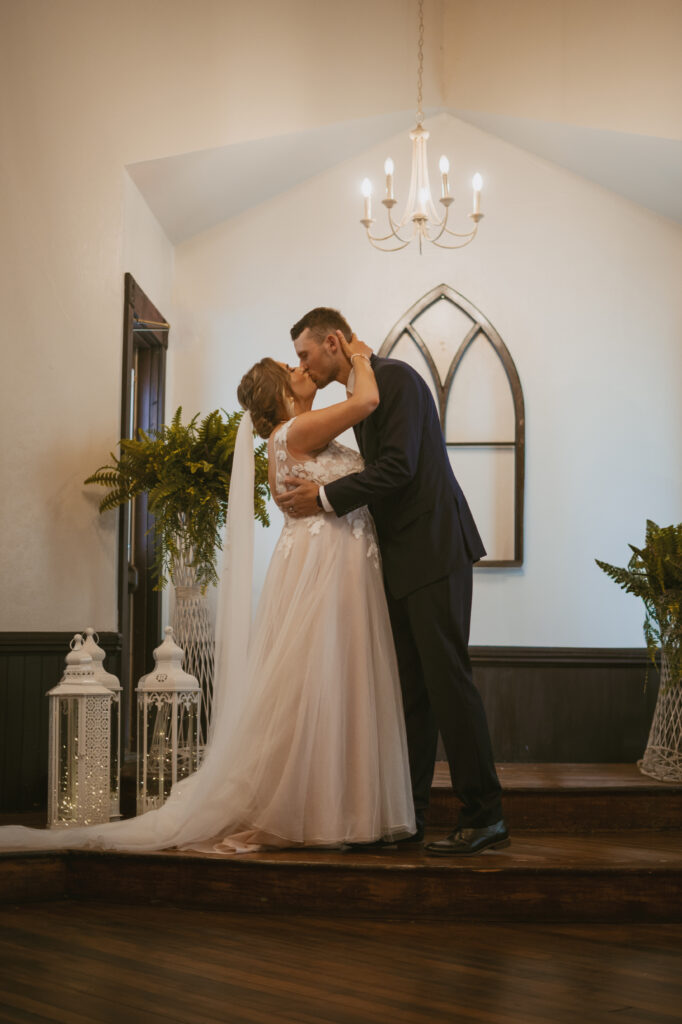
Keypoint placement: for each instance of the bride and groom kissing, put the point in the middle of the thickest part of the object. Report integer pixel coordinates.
(428, 542)
(327, 707)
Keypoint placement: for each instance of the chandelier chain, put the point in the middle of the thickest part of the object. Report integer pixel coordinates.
(420, 63)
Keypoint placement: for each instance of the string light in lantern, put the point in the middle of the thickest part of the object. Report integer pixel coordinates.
(79, 744)
(112, 684)
(168, 720)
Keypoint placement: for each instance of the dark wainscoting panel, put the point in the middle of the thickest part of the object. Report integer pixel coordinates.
(30, 665)
(574, 704)
(544, 705)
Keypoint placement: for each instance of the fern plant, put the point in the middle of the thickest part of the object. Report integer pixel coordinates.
(185, 469)
(654, 573)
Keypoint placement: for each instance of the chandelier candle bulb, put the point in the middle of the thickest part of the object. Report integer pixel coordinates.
(422, 199)
(388, 170)
(477, 183)
(444, 166)
(367, 193)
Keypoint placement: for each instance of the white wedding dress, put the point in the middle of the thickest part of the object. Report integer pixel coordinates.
(308, 742)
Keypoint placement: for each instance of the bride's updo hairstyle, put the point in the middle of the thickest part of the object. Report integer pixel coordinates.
(264, 391)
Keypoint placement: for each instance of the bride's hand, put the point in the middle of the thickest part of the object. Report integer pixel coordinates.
(353, 348)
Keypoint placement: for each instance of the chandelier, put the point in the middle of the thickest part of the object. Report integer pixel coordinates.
(420, 210)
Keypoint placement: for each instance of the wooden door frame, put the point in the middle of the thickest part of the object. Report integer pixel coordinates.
(145, 332)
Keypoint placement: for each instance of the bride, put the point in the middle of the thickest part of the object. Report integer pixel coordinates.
(307, 743)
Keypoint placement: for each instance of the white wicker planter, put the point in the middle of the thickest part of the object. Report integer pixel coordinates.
(193, 632)
(662, 758)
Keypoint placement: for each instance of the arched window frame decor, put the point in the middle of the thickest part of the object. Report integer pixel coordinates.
(479, 326)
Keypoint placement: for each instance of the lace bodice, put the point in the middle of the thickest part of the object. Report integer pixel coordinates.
(333, 462)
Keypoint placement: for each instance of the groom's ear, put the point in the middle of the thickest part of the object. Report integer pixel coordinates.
(332, 343)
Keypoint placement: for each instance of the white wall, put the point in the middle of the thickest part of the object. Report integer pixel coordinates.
(147, 253)
(583, 287)
(89, 88)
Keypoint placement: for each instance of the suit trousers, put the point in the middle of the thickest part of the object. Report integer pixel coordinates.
(431, 632)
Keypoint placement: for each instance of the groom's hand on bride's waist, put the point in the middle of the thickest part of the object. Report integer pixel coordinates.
(300, 498)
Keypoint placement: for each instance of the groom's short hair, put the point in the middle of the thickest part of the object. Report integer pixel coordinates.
(322, 321)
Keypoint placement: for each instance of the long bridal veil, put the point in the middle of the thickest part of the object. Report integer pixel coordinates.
(198, 807)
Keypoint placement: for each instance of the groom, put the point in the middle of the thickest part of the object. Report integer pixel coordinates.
(428, 541)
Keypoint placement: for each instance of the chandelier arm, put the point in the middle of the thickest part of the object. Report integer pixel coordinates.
(441, 224)
(466, 234)
(385, 238)
(444, 229)
(393, 233)
(441, 245)
(395, 248)
(395, 228)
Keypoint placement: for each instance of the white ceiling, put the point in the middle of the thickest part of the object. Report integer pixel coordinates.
(192, 192)
(642, 168)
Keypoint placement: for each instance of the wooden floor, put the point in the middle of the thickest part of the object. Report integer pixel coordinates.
(349, 937)
(106, 964)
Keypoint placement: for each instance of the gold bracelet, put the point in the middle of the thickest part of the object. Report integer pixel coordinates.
(359, 355)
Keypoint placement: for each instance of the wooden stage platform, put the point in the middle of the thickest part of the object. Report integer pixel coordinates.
(590, 843)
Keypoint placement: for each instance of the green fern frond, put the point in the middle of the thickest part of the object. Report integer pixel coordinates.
(107, 476)
(654, 573)
(112, 500)
(186, 470)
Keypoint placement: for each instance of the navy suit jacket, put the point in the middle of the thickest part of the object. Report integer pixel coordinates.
(423, 521)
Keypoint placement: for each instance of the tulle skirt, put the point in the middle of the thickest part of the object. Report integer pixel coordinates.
(321, 753)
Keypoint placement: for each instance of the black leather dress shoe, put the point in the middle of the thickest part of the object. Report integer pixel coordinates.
(465, 841)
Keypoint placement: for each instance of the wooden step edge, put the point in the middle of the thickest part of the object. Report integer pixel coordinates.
(481, 888)
(570, 777)
(546, 847)
(660, 791)
(467, 894)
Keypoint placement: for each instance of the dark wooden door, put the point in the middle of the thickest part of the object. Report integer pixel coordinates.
(145, 342)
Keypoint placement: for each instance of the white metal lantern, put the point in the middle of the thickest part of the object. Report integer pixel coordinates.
(167, 732)
(112, 684)
(79, 744)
